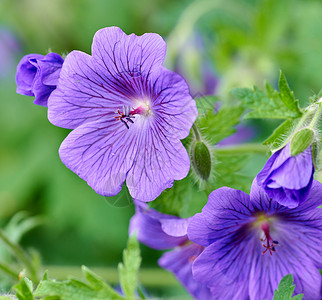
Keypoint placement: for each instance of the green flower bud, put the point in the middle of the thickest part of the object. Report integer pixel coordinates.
(201, 159)
(301, 140)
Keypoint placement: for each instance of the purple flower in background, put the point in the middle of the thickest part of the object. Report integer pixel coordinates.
(195, 65)
(252, 242)
(288, 179)
(9, 51)
(37, 75)
(128, 113)
(161, 232)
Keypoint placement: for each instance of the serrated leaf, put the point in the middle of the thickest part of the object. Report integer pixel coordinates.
(129, 269)
(276, 139)
(286, 95)
(98, 284)
(270, 103)
(74, 289)
(217, 126)
(227, 168)
(206, 104)
(181, 199)
(285, 289)
(24, 290)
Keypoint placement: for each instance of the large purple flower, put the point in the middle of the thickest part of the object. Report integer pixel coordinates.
(128, 113)
(161, 232)
(252, 242)
(37, 75)
(288, 179)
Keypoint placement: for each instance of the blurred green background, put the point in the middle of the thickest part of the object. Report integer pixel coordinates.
(242, 42)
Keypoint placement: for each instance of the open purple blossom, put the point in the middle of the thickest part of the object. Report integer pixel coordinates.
(160, 231)
(128, 113)
(37, 75)
(252, 242)
(288, 179)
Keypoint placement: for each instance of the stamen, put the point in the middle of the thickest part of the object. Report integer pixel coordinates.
(270, 243)
(128, 114)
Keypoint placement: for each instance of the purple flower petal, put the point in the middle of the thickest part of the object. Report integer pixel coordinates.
(148, 226)
(117, 53)
(124, 84)
(26, 72)
(37, 75)
(224, 204)
(287, 179)
(95, 153)
(253, 244)
(179, 261)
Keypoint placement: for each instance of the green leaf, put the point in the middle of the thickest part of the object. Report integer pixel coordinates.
(276, 140)
(285, 289)
(220, 125)
(228, 171)
(270, 103)
(183, 200)
(129, 269)
(286, 95)
(98, 283)
(24, 289)
(74, 289)
(206, 104)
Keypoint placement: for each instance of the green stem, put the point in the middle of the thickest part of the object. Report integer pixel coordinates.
(196, 132)
(19, 253)
(241, 149)
(9, 271)
(316, 116)
(148, 277)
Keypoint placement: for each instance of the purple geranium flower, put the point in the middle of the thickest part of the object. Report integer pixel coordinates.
(288, 179)
(37, 75)
(252, 242)
(161, 232)
(128, 113)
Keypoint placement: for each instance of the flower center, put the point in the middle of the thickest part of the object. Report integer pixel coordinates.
(128, 114)
(268, 242)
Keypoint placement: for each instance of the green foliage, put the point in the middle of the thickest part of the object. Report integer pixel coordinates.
(269, 103)
(129, 270)
(285, 289)
(184, 199)
(219, 125)
(276, 139)
(228, 171)
(24, 290)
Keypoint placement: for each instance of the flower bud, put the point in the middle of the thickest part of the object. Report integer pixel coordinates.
(200, 155)
(301, 141)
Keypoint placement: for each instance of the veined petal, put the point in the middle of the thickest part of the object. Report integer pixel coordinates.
(267, 271)
(83, 95)
(225, 268)
(179, 261)
(175, 110)
(296, 172)
(159, 161)
(148, 226)
(100, 153)
(226, 210)
(128, 55)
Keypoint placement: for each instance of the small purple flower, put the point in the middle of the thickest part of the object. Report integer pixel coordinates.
(287, 179)
(37, 75)
(161, 232)
(252, 242)
(128, 113)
